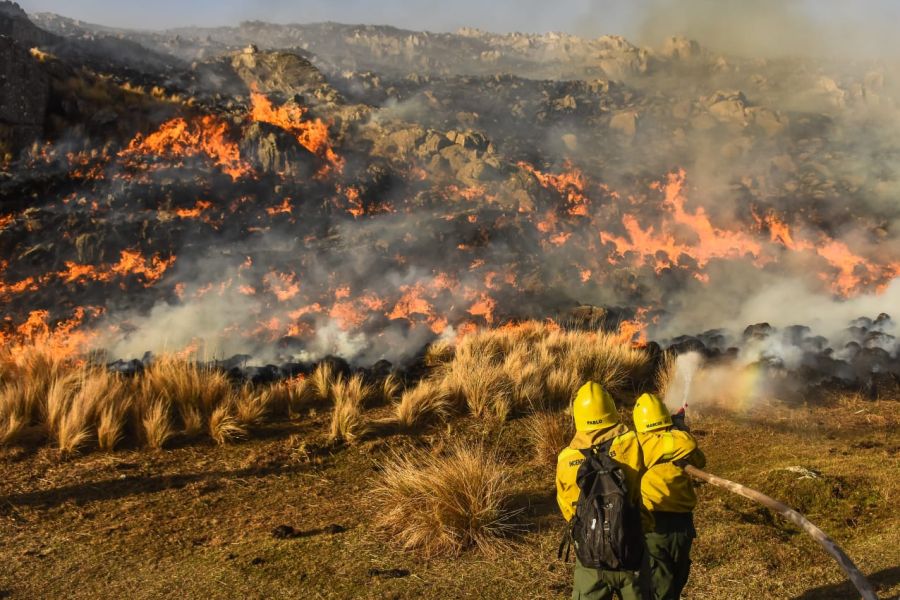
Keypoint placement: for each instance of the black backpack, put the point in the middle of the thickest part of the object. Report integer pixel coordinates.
(606, 528)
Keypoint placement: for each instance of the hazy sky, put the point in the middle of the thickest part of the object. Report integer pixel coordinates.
(497, 15)
(858, 26)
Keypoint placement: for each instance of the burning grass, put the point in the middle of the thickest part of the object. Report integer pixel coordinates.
(444, 504)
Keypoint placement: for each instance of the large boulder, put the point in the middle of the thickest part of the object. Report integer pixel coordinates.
(625, 122)
(272, 150)
(728, 106)
(470, 140)
(282, 72)
(680, 48)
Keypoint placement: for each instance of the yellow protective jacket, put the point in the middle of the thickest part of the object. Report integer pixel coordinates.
(624, 449)
(665, 486)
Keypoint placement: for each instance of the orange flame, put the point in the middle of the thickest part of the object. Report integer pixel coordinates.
(356, 207)
(283, 208)
(131, 262)
(193, 213)
(62, 339)
(663, 250)
(484, 307)
(311, 134)
(570, 184)
(178, 138)
(283, 285)
(853, 271)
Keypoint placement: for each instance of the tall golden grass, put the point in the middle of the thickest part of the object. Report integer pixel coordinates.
(665, 373)
(489, 374)
(192, 390)
(444, 504)
(224, 426)
(548, 432)
(156, 422)
(501, 372)
(321, 382)
(422, 404)
(79, 405)
(347, 421)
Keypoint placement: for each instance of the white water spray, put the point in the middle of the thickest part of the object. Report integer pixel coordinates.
(686, 366)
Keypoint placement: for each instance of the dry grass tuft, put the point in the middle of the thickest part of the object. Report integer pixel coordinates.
(560, 386)
(548, 432)
(224, 427)
(446, 504)
(666, 373)
(252, 406)
(347, 421)
(289, 396)
(14, 412)
(390, 389)
(73, 403)
(189, 387)
(191, 420)
(322, 381)
(73, 429)
(11, 427)
(422, 404)
(111, 423)
(501, 372)
(157, 423)
(34, 369)
(439, 353)
(110, 406)
(59, 397)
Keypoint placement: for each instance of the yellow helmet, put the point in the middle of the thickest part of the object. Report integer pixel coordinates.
(594, 408)
(650, 414)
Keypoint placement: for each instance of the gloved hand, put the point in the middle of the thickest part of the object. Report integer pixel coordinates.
(678, 420)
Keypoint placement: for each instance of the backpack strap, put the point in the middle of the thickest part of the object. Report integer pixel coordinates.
(566, 543)
(601, 451)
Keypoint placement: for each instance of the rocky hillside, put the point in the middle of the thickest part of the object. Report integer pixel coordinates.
(360, 190)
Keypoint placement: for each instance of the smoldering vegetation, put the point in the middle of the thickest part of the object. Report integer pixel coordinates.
(358, 249)
(285, 193)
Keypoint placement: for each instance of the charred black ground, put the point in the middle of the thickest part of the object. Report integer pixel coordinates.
(288, 192)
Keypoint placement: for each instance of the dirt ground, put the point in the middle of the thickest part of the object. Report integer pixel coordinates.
(199, 521)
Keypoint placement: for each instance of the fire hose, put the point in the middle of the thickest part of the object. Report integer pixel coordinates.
(853, 573)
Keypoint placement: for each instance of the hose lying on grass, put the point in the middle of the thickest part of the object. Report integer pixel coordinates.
(856, 577)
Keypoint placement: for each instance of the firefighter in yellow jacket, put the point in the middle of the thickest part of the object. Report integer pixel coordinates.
(596, 421)
(667, 493)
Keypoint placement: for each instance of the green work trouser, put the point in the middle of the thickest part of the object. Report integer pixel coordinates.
(667, 555)
(599, 584)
